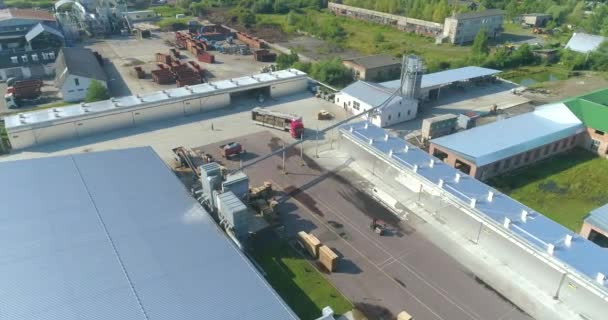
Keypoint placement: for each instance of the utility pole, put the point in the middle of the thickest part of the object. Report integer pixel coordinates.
(284, 171)
(317, 143)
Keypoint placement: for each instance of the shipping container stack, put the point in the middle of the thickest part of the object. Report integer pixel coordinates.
(264, 55)
(197, 68)
(206, 57)
(163, 58)
(163, 76)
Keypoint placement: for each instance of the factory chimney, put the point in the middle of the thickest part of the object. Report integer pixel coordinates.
(411, 76)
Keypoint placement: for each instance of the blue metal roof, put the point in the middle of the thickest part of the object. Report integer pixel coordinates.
(583, 42)
(370, 93)
(115, 235)
(537, 231)
(505, 138)
(599, 217)
(446, 77)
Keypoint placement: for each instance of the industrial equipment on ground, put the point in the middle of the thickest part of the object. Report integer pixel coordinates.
(325, 115)
(21, 92)
(279, 120)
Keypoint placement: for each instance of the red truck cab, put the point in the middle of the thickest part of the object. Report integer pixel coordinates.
(296, 128)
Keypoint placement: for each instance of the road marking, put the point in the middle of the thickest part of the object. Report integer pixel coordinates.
(327, 226)
(442, 292)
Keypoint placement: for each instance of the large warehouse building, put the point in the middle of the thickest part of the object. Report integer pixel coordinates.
(115, 235)
(39, 127)
(505, 145)
(558, 263)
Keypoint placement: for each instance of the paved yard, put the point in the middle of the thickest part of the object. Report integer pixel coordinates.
(381, 275)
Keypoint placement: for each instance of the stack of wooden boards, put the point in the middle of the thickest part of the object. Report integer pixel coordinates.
(326, 256)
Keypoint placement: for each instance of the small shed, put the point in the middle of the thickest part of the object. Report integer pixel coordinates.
(535, 20)
(595, 226)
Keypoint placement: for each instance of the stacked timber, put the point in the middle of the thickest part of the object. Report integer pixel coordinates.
(328, 258)
(310, 243)
(264, 55)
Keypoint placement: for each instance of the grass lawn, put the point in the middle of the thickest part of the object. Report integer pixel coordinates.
(564, 188)
(361, 38)
(298, 282)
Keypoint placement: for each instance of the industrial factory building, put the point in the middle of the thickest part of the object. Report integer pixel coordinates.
(555, 261)
(115, 235)
(408, 91)
(505, 145)
(39, 127)
(460, 28)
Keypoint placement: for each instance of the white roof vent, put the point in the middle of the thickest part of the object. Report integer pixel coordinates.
(22, 116)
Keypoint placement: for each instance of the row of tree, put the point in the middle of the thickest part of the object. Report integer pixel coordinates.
(431, 10)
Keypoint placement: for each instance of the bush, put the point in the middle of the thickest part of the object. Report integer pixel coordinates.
(96, 92)
(173, 24)
(168, 11)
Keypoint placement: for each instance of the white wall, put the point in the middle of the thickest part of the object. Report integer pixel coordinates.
(75, 93)
(396, 112)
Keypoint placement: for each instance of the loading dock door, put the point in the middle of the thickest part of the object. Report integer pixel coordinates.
(192, 106)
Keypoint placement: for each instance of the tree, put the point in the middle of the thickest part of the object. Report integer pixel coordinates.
(96, 92)
(480, 45)
(285, 61)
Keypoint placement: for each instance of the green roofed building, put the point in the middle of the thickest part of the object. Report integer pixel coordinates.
(592, 110)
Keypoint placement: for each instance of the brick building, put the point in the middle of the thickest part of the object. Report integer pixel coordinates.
(595, 226)
(375, 68)
(505, 145)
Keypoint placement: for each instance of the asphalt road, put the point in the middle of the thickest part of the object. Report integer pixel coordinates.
(381, 275)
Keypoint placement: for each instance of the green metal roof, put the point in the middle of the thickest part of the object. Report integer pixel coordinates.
(591, 109)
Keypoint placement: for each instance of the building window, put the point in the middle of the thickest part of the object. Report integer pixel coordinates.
(517, 160)
(356, 105)
(14, 60)
(546, 150)
(536, 153)
(76, 81)
(399, 115)
(564, 143)
(409, 112)
(496, 166)
(507, 163)
(34, 57)
(555, 145)
(389, 117)
(595, 145)
(51, 55)
(527, 156)
(601, 133)
(572, 140)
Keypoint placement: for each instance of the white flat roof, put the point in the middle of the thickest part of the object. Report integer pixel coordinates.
(26, 119)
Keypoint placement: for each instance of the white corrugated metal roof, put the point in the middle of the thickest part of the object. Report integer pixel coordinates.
(505, 138)
(584, 43)
(40, 28)
(446, 77)
(582, 256)
(115, 235)
(370, 93)
(25, 119)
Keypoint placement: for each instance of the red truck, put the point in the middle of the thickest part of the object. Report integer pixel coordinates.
(279, 120)
(21, 91)
(231, 149)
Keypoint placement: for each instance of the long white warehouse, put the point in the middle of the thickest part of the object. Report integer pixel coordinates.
(39, 127)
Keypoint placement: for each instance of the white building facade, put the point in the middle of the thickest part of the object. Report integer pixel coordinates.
(362, 96)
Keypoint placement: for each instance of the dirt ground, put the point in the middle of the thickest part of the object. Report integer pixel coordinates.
(122, 54)
(317, 48)
(563, 89)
